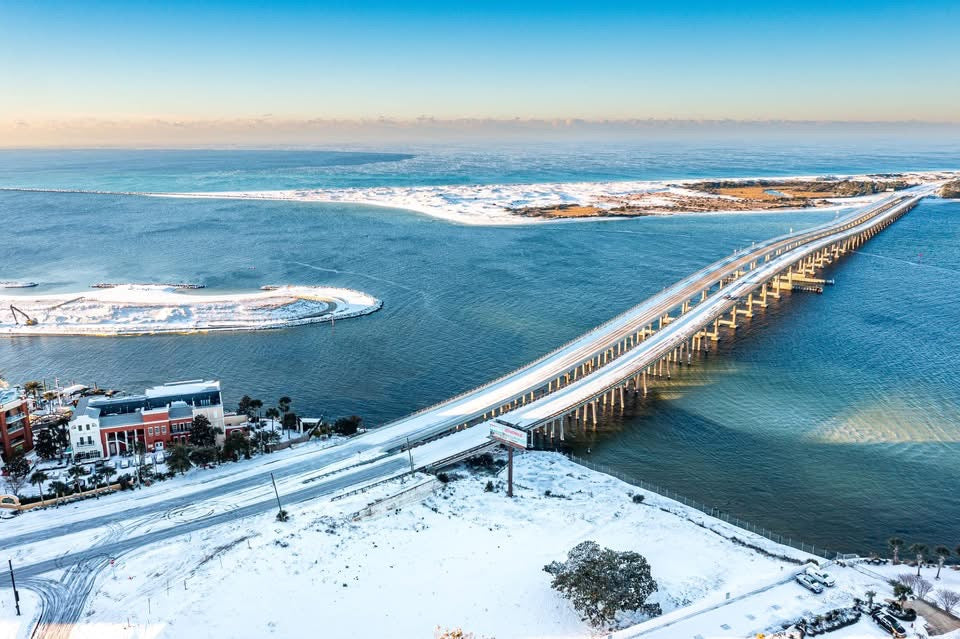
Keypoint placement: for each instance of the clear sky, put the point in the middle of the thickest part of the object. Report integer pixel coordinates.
(212, 61)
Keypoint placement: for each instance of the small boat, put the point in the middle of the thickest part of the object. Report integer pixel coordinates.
(17, 284)
(269, 287)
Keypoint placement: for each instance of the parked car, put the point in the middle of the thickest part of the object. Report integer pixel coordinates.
(808, 582)
(823, 577)
(888, 623)
(158, 457)
(124, 463)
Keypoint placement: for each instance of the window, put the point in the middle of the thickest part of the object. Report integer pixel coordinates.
(88, 426)
(150, 430)
(163, 429)
(90, 440)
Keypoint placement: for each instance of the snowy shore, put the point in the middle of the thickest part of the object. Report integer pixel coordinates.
(134, 309)
(496, 204)
(452, 556)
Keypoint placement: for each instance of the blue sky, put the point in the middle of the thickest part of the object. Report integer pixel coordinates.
(746, 60)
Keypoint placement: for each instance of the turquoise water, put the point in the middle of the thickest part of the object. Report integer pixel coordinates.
(829, 417)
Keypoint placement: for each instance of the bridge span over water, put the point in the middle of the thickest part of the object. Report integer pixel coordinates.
(567, 386)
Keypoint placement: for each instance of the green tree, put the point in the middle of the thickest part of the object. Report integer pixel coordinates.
(601, 582)
(255, 406)
(16, 470)
(348, 425)
(901, 592)
(895, 544)
(179, 459)
(942, 553)
(203, 455)
(283, 404)
(46, 443)
(870, 595)
(236, 444)
(919, 550)
(202, 433)
(38, 477)
(77, 472)
(59, 488)
(272, 413)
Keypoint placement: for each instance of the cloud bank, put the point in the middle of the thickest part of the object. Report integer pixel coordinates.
(265, 131)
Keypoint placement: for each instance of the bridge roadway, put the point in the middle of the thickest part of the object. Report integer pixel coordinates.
(325, 472)
(548, 373)
(683, 328)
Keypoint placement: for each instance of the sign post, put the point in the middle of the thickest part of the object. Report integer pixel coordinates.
(510, 437)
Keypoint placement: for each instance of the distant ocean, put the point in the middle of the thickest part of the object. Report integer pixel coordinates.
(835, 418)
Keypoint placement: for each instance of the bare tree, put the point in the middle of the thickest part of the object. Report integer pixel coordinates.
(919, 550)
(947, 599)
(942, 553)
(895, 544)
(922, 587)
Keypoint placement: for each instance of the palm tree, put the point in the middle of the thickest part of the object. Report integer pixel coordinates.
(38, 477)
(870, 595)
(32, 388)
(272, 413)
(942, 553)
(895, 544)
(256, 405)
(284, 405)
(919, 550)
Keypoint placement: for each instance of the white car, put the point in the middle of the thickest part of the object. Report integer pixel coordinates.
(807, 582)
(124, 463)
(823, 577)
(158, 457)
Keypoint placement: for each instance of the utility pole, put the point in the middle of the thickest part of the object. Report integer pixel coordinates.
(410, 453)
(509, 471)
(13, 582)
(277, 493)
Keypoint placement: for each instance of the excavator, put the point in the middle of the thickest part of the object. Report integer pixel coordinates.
(27, 320)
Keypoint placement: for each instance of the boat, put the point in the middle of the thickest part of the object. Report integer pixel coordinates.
(17, 284)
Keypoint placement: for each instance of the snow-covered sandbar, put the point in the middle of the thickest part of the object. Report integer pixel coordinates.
(134, 309)
(504, 204)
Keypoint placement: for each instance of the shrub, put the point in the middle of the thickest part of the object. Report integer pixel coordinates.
(637, 499)
(489, 487)
(283, 516)
(443, 478)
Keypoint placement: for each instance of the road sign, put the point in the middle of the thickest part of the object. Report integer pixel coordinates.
(506, 434)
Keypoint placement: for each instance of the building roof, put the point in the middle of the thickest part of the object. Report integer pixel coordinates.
(172, 389)
(126, 419)
(180, 410)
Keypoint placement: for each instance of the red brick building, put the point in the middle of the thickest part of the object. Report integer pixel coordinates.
(15, 432)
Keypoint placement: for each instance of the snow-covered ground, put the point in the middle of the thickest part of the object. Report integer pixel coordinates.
(134, 309)
(490, 204)
(459, 557)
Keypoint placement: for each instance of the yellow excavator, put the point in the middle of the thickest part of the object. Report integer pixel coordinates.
(27, 320)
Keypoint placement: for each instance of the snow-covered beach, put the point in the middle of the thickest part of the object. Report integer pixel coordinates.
(499, 204)
(135, 309)
(415, 554)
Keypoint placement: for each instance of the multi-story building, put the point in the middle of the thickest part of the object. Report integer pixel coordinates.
(15, 432)
(162, 416)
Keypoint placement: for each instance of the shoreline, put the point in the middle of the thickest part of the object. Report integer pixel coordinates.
(501, 204)
(137, 310)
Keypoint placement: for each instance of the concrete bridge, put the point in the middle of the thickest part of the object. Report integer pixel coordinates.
(567, 386)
